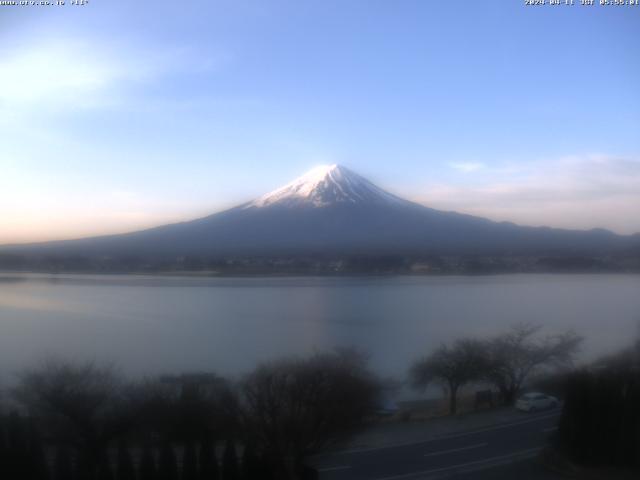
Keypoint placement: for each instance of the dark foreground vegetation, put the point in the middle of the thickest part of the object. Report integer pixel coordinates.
(600, 423)
(69, 421)
(85, 422)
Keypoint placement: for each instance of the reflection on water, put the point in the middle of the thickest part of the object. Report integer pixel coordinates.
(148, 324)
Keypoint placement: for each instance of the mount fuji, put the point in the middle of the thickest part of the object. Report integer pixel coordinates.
(334, 211)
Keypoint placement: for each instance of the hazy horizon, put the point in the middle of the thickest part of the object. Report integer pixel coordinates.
(88, 234)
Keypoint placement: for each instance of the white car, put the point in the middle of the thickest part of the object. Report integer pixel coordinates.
(531, 402)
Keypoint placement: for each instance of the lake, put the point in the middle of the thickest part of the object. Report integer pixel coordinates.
(148, 324)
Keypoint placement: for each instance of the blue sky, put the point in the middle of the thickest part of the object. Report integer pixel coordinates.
(119, 115)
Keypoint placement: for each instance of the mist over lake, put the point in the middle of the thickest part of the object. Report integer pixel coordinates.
(148, 325)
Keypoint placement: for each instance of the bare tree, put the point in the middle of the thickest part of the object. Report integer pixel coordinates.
(515, 355)
(78, 404)
(297, 407)
(454, 366)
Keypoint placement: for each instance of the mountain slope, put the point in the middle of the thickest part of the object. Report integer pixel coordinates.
(332, 210)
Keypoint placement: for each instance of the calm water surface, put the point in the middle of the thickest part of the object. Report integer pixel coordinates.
(171, 324)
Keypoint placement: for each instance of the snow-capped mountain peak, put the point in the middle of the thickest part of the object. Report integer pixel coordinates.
(326, 185)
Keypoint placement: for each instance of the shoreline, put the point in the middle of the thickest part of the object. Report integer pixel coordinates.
(216, 274)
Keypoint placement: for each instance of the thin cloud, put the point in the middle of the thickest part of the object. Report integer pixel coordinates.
(64, 75)
(572, 192)
(467, 167)
(59, 75)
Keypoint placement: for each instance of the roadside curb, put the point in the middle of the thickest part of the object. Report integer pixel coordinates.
(469, 467)
(445, 436)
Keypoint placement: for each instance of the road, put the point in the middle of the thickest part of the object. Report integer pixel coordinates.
(448, 456)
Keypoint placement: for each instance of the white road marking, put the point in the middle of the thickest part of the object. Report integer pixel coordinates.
(331, 469)
(527, 452)
(444, 452)
(444, 437)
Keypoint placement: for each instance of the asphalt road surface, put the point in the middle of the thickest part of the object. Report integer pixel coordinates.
(448, 456)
